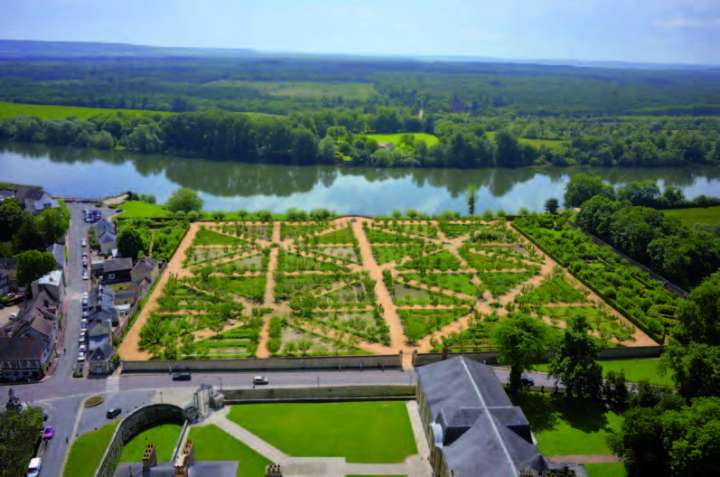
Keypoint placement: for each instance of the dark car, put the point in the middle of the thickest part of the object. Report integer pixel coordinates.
(527, 382)
(113, 412)
(181, 376)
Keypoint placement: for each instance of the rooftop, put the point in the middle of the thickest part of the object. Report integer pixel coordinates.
(52, 278)
(117, 264)
(476, 427)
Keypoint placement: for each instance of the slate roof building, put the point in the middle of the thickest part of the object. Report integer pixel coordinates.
(105, 236)
(117, 270)
(473, 428)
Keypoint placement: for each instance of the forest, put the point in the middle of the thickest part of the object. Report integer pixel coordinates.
(246, 106)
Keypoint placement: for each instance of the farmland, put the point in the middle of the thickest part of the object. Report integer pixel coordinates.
(48, 111)
(352, 286)
(698, 215)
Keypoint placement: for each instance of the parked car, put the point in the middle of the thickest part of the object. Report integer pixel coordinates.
(34, 467)
(81, 357)
(48, 433)
(84, 242)
(85, 275)
(83, 348)
(260, 380)
(181, 376)
(112, 413)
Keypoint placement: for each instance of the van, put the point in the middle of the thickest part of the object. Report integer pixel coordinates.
(34, 467)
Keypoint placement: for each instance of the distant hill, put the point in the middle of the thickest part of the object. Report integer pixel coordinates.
(31, 49)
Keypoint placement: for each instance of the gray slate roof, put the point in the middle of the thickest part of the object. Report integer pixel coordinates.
(483, 434)
(117, 264)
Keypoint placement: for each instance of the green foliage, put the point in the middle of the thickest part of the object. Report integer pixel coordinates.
(19, 433)
(130, 243)
(419, 323)
(521, 341)
(582, 187)
(184, 200)
(573, 362)
(638, 296)
(32, 265)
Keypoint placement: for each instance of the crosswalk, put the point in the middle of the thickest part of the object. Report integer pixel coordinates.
(112, 384)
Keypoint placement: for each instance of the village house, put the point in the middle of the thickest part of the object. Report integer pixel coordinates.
(27, 344)
(117, 270)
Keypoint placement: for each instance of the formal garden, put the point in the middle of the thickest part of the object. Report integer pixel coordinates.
(350, 286)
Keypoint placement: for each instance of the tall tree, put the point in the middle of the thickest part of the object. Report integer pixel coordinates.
(130, 243)
(582, 187)
(521, 341)
(184, 200)
(574, 362)
(33, 264)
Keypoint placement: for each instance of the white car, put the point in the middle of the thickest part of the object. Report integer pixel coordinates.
(83, 327)
(85, 275)
(84, 243)
(34, 467)
(81, 357)
(83, 348)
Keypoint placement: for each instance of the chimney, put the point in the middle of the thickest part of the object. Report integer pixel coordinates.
(149, 456)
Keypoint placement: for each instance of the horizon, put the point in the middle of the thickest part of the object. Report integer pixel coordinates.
(678, 32)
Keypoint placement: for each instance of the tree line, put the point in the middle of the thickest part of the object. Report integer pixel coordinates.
(342, 136)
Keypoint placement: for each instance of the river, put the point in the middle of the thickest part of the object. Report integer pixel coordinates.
(232, 185)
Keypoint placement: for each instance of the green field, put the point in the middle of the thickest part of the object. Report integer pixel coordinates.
(568, 427)
(136, 209)
(47, 111)
(304, 89)
(394, 139)
(615, 469)
(87, 451)
(362, 432)
(164, 437)
(698, 215)
(635, 370)
(212, 443)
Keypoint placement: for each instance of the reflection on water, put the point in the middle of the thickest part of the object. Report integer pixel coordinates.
(232, 185)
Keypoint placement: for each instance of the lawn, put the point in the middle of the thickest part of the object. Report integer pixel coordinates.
(394, 139)
(698, 215)
(136, 209)
(212, 443)
(634, 369)
(47, 111)
(362, 432)
(569, 427)
(615, 469)
(164, 437)
(87, 451)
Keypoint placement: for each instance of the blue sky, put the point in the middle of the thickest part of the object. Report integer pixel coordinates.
(665, 31)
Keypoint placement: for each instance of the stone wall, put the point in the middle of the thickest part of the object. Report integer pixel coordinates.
(320, 393)
(133, 424)
(270, 364)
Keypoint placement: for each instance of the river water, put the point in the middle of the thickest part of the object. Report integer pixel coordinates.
(234, 185)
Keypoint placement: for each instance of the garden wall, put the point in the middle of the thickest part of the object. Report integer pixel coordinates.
(134, 423)
(490, 357)
(320, 393)
(270, 364)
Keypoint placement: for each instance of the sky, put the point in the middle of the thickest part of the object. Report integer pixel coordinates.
(652, 31)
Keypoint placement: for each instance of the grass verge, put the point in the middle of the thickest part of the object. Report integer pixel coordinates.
(163, 436)
(87, 451)
(615, 469)
(635, 370)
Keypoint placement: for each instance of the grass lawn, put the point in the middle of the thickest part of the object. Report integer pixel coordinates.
(212, 443)
(568, 427)
(699, 215)
(615, 469)
(164, 437)
(47, 111)
(634, 369)
(87, 451)
(363, 432)
(137, 209)
(394, 139)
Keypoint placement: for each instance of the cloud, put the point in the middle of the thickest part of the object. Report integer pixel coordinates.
(678, 23)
